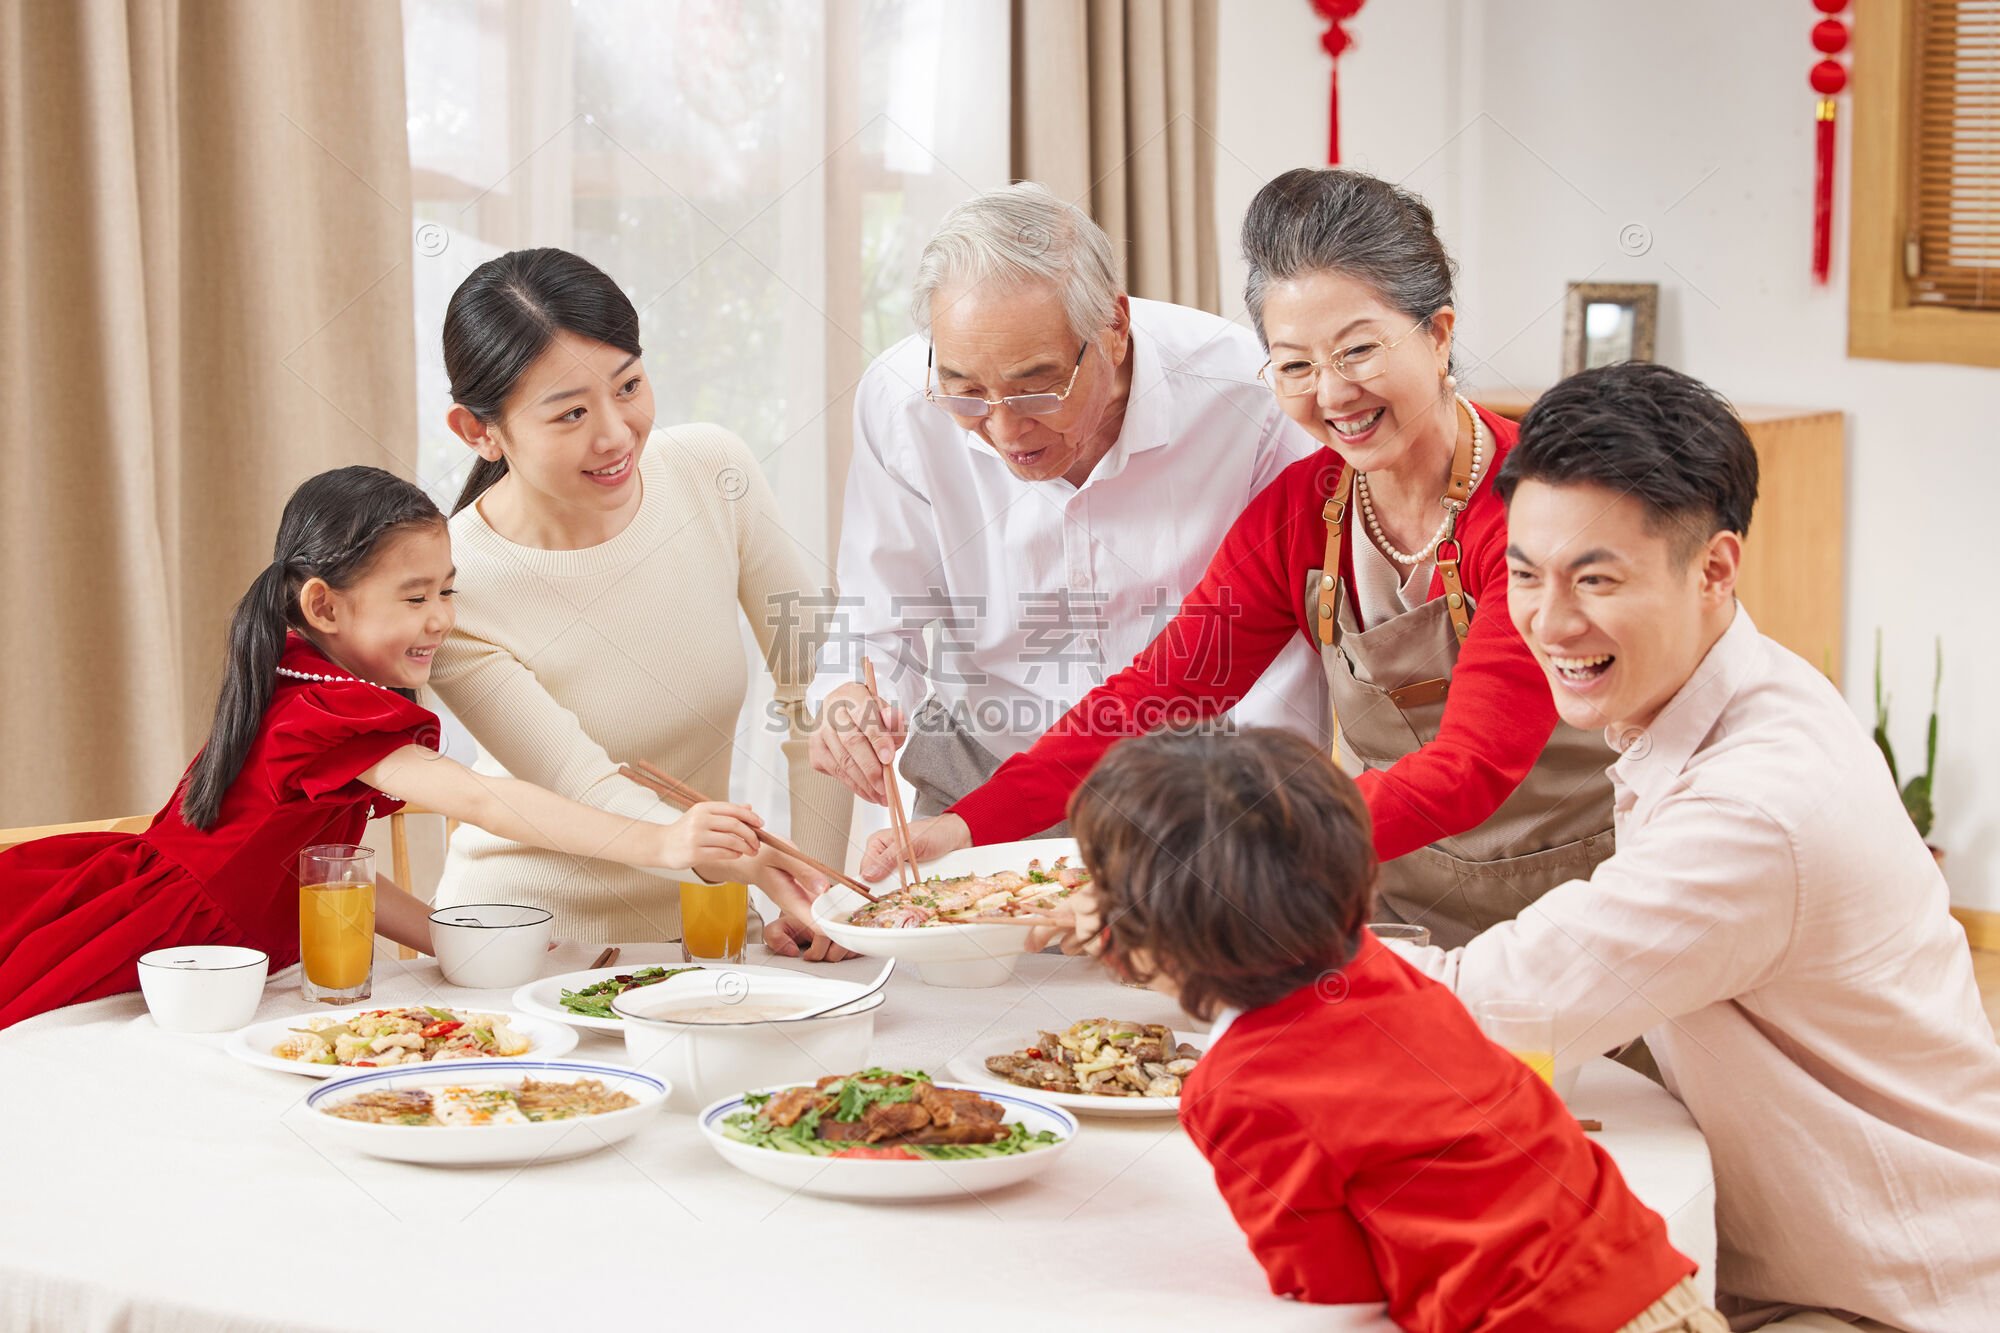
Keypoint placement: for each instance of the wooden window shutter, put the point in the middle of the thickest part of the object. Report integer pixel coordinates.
(1952, 249)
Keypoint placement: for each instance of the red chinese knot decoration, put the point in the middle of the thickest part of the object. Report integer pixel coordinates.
(1334, 41)
(1828, 78)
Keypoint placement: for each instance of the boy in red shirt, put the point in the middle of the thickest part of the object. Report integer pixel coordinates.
(1371, 1142)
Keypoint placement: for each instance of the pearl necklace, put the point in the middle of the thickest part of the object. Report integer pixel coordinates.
(336, 680)
(1375, 525)
(331, 680)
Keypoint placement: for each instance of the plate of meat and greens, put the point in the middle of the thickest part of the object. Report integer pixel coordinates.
(881, 1134)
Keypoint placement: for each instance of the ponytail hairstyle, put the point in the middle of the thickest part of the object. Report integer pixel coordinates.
(506, 313)
(333, 528)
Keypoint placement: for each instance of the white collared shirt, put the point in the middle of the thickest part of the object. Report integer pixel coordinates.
(1775, 928)
(1043, 589)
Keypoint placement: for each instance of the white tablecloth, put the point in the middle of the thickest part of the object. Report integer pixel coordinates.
(153, 1182)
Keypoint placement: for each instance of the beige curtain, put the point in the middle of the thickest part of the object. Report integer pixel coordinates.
(1114, 109)
(204, 248)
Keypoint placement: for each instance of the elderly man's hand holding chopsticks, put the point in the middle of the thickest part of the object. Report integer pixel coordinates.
(855, 740)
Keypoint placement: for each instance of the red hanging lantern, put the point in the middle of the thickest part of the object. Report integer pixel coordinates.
(1828, 79)
(1334, 41)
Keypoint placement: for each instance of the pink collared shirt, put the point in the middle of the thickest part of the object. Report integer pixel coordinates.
(1777, 931)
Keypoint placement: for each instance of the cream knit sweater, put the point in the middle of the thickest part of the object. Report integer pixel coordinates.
(565, 664)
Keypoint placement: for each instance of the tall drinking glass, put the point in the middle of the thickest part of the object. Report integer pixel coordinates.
(1525, 1027)
(337, 922)
(714, 921)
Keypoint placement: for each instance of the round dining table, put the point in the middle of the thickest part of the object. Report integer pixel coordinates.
(154, 1182)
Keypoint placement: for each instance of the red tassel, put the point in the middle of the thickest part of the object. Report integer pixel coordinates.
(1333, 119)
(1823, 192)
(1334, 41)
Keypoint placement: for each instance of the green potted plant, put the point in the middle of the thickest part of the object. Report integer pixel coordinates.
(1916, 793)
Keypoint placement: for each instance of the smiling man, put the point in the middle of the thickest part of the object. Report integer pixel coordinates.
(1771, 922)
(1040, 476)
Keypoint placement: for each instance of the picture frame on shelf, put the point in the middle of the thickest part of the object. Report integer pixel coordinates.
(1608, 322)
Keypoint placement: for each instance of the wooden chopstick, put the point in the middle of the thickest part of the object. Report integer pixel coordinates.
(668, 785)
(906, 866)
(1590, 1126)
(607, 958)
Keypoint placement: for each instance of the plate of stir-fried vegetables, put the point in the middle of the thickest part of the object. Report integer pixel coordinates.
(583, 999)
(321, 1045)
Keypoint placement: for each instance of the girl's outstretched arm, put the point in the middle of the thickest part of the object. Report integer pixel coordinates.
(708, 833)
(399, 916)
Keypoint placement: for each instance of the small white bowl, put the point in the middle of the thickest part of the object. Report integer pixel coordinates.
(704, 1061)
(203, 987)
(488, 946)
(886, 1181)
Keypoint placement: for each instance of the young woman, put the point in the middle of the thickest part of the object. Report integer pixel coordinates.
(1388, 554)
(316, 719)
(603, 575)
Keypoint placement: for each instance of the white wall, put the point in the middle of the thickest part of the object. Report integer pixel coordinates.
(1619, 140)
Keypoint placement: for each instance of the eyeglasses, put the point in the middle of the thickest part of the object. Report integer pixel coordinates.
(1022, 404)
(1363, 361)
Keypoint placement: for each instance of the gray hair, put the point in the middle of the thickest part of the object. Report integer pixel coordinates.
(1322, 219)
(1020, 234)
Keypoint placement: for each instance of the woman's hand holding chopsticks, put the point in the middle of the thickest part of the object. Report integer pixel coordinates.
(711, 831)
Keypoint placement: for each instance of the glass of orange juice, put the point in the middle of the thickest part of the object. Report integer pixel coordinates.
(713, 920)
(1525, 1027)
(337, 922)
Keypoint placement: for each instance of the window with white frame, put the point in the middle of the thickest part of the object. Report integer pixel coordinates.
(759, 176)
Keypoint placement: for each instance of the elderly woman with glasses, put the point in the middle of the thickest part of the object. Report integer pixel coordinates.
(1386, 553)
(1039, 477)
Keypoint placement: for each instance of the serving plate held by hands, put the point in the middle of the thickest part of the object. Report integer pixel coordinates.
(947, 955)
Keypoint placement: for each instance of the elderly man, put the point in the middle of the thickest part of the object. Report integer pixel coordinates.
(1039, 477)
(1771, 922)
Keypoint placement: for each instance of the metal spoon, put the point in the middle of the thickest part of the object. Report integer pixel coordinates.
(888, 970)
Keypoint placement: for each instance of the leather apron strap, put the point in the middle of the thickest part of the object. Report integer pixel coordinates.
(1457, 494)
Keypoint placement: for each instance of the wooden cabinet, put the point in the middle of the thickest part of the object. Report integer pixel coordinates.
(1794, 559)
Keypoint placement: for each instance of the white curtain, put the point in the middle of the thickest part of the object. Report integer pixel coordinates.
(759, 175)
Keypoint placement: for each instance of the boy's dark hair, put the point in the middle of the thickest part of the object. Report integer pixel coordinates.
(506, 313)
(333, 528)
(1642, 430)
(1241, 866)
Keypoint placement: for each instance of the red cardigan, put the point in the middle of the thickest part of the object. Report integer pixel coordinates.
(1374, 1146)
(1246, 608)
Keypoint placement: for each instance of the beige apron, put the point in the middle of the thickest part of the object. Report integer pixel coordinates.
(1388, 685)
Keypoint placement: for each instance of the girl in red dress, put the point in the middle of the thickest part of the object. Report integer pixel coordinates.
(316, 721)
(1373, 1145)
